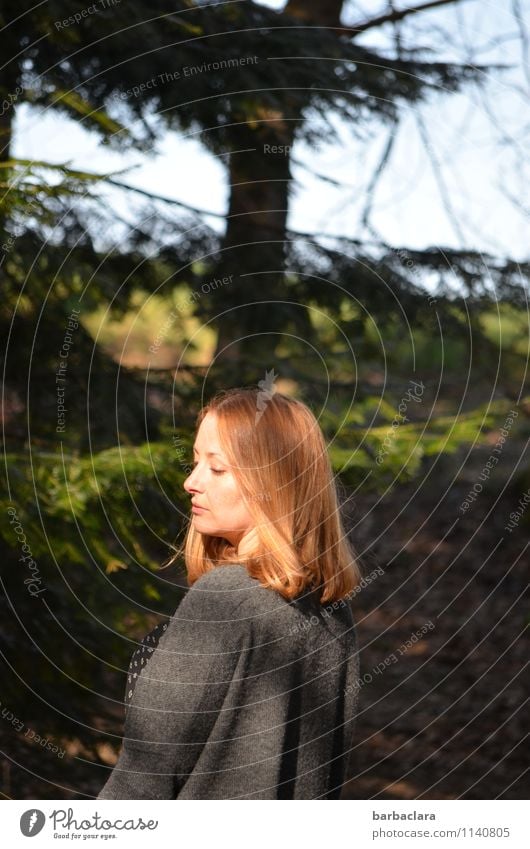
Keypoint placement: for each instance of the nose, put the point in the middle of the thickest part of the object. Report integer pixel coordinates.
(192, 482)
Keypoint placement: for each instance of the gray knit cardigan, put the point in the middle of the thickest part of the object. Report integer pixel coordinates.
(246, 696)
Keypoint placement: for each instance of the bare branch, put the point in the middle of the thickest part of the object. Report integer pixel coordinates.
(444, 194)
(376, 176)
(518, 15)
(397, 30)
(383, 162)
(153, 196)
(517, 202)
(323, 177)
(399, 14)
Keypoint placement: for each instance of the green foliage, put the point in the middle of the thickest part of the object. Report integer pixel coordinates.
(98, 529)
(391, 453)
(72, 505)
(29, 188)
(507, 326)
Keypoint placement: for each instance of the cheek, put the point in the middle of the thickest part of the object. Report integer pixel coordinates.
(226, 497)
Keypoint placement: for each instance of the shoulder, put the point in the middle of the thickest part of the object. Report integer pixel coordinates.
(228, 578)
(219, 594)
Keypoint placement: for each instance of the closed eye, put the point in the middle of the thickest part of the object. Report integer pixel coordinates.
(215, 471)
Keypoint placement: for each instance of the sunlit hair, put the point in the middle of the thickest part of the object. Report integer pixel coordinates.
(279, 459)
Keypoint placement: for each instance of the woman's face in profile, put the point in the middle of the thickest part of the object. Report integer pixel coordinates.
(214, 489)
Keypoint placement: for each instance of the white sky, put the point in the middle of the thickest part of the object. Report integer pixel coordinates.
(408, 208)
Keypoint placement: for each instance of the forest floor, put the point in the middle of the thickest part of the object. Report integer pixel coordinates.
(448, 718)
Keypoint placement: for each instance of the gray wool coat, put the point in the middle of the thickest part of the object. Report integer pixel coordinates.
(246, 696)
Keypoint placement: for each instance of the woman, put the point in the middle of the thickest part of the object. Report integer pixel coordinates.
(251, 692)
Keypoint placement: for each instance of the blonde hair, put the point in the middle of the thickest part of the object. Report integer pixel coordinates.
(279, 460)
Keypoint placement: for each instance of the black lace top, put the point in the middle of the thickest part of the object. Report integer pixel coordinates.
(140, 657)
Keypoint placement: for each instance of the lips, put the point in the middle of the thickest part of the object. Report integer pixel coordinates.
(197, 506)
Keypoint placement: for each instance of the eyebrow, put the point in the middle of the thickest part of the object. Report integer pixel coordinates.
(208, 453)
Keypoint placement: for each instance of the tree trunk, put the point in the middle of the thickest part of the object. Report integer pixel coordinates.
(9, 94)
(253, 248)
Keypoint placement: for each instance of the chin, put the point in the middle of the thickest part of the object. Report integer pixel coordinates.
(199, 522)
